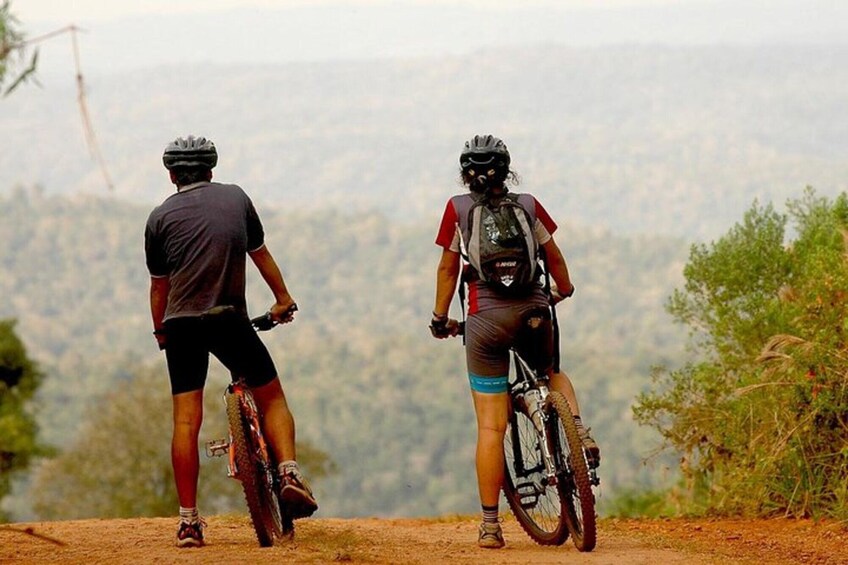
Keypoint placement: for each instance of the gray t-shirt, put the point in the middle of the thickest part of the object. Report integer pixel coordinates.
(199, 238)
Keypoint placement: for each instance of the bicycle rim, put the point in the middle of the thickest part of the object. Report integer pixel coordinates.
(255, 476)
(575, 484)
(536, 505)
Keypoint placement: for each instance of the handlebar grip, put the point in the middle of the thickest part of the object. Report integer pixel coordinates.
(266, 322)
(263, 323)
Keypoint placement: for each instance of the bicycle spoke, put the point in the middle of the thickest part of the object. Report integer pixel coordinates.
(576, 483)
(535, 503)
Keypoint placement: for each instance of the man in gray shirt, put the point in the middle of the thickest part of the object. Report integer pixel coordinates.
(196, 244)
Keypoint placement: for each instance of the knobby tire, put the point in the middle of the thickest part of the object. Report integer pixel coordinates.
(538, 508)
(258, 494)
(576, 487)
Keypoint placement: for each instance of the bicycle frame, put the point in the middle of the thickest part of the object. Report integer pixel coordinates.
(251, 412)
(250, 462)
(250, 458)
(216, 448)
(528, 382)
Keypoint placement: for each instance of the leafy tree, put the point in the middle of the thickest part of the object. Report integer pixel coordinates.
(120, 466)
(19, 379)
(14, 66)
(762, 417)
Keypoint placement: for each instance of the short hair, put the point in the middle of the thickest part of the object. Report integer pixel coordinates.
(186, 176)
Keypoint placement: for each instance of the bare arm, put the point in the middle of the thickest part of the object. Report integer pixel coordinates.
(558, 268)
(272, 276)
(159, 287)
(447, 275)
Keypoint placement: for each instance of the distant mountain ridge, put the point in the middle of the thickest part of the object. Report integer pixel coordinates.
(637, 140)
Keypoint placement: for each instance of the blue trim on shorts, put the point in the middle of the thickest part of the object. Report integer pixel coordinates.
(488, 385)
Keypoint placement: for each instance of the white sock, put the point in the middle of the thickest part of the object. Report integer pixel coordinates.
(189, 515)
(288, 466)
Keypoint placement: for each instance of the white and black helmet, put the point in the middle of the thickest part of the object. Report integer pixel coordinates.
(190, 153)
(482, 150)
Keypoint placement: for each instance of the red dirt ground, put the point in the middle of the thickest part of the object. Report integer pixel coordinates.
(427, 541)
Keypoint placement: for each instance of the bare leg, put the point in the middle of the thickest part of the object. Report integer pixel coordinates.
(277, 419)
(492, 412)
(188, 415)
(278, 427)
(560, 382)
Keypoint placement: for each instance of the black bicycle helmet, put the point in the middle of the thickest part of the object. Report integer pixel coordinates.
(484, 150)
(190, 153)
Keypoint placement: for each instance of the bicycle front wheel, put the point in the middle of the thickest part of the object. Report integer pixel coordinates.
(573, 472)
(536, 504)
(256, 475)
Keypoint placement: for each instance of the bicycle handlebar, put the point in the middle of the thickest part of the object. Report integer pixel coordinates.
(265, 322)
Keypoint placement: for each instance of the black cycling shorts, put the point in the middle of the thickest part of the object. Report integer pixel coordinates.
(190, 340)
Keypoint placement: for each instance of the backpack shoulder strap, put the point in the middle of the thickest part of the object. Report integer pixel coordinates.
(528, 203)
(462, 204)
(525, 212)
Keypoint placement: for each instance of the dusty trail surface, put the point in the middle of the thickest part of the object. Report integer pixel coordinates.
(427, 541)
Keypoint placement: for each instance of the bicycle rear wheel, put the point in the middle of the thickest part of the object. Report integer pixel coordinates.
(537, 505)
(255, 472)
(573, 472)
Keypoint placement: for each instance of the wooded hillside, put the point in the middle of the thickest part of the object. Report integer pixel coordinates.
(367, 382)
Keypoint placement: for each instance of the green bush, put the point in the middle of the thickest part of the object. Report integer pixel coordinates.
(19, 381)
(762, 417)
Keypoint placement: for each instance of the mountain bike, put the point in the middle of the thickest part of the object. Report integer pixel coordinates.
(250, 458)
(549, 480)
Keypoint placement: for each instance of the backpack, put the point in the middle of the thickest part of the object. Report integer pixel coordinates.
(499, 243)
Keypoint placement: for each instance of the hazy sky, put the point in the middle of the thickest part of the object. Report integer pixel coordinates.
(97, 10)
(124, 35)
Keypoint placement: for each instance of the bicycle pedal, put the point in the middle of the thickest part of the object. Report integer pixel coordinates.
(594, 478)
(529, 502)
(217, 447)
(528, 495)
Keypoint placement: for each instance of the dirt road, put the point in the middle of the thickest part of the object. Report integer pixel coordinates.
(427, 541)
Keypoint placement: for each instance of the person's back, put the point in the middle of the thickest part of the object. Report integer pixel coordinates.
(209, 229)
(497, 313)
(196, 244)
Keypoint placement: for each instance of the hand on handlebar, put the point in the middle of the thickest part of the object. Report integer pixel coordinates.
(283, 313)
(444, 327)
(557, 297)
(273, 317)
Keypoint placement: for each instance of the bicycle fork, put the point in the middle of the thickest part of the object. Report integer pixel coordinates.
(531, 402)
